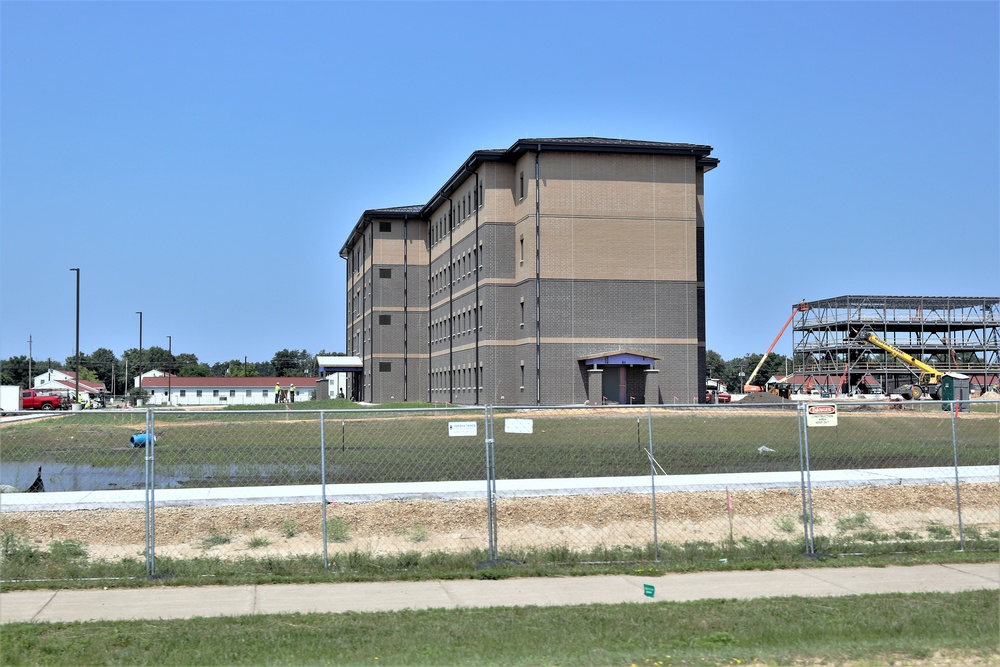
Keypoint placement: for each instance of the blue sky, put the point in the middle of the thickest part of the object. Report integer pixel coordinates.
(204, 162)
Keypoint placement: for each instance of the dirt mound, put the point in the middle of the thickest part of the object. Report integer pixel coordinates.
(763, 397)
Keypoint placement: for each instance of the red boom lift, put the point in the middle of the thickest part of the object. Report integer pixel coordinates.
(749, 387)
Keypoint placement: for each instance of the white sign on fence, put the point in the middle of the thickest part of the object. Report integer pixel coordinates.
(821, 414)
(458, 429)
(519, 426)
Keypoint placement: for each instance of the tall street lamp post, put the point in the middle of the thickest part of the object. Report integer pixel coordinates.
(77, 390)
(139, 396)
(170, 351)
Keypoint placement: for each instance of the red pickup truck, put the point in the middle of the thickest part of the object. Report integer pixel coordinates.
(33, 400)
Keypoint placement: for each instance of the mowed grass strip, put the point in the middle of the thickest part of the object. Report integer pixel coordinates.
(369, 446)
(875, 629)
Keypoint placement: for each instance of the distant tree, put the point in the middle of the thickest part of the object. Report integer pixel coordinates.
(104, 362)
(775, 365)
(182, 360)
(264, 369)
(158, 358)
(88, 375)
(292, 363)
(15, 371)
(714, 365)
(195, 371)
(238, 368)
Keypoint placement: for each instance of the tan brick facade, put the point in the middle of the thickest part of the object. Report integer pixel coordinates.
(504, 287)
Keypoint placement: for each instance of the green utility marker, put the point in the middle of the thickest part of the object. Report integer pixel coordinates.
(648, 589)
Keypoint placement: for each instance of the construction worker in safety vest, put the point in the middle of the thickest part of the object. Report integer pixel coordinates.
(291, 393)
(277, 392)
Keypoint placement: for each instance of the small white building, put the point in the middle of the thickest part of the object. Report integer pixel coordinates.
(64, 383)
(225, 390)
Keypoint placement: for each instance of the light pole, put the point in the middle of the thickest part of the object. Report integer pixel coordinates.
(77, 390)
(170, 351)
(139, 395)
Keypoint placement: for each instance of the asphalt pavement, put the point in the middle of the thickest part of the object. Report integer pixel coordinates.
(170, 602)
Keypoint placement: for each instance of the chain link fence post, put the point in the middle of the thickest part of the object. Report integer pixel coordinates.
(652, 476)
(322, 486)
(149, 441)
(958, 486)
(491, 483)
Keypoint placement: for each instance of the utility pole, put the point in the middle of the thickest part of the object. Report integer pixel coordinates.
(77, 333)
(30, 379)
(170, 351)
(139, 395)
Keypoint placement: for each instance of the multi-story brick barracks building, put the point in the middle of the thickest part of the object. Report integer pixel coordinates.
(558, 271)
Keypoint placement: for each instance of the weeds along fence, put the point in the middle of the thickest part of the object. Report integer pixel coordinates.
(160, 492)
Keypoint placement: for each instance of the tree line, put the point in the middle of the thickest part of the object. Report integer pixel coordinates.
(117, 372)
(729, 371)
(102, 365)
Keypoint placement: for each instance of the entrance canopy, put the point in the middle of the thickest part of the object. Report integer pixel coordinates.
(329, 364)
(620, 358)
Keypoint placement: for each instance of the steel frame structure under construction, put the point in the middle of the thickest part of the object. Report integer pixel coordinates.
(952, 334)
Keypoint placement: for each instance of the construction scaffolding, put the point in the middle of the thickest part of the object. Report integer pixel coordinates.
(952, 334)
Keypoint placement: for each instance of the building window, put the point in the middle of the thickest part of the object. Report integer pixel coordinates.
(215, 393)
(385, 227)
(199, 393)
(385, 273)
(385, 367)
(232, 392)
(385, 319)
(480, 195)
(522, 312)
(522, 248)
(263, 392)
(183, 393)
(249, 393)
(521, 185)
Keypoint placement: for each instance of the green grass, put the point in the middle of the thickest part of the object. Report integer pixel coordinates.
(338, 530)
(257, 542)
(854, 522)
(938, 531)
(364, 445)
(873, 629)
(215, 540)
(290, 528)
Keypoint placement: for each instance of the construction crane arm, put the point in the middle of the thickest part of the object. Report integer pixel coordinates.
(800, 308)
(904, 357)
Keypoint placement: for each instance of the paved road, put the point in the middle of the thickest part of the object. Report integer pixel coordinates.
(189, 602)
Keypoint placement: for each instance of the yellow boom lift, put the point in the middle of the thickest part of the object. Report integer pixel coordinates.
(929, 381)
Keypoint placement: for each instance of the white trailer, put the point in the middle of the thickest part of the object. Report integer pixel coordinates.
(10, 398)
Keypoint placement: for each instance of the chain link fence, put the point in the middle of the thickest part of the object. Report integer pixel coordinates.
(168, 492)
